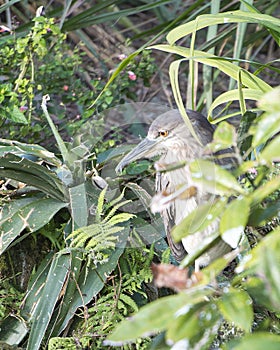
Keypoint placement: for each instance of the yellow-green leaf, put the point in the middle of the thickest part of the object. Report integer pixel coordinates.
(236, 307)
(234, 220)
(214, 179)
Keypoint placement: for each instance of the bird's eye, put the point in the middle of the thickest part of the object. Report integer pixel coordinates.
(163, 133)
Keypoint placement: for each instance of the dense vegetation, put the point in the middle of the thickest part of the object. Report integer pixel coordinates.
(78, 82)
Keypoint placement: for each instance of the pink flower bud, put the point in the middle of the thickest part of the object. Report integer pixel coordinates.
(131, 75)
(122, 56)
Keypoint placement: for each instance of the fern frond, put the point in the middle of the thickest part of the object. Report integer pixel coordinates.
(129, 301)
(117, 200)
(120, 218)
(114, 209)
(100, 204)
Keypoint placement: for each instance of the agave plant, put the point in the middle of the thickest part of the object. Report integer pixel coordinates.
(95, 239)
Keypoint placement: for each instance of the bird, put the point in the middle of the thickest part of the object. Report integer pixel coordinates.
(170, 139)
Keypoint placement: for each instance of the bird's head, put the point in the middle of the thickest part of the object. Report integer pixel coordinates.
(167, 132)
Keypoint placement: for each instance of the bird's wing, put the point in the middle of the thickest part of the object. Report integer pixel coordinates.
(169, 220)
(177, 249)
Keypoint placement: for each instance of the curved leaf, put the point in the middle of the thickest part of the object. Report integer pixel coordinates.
(233, 95)
(230, 306)
(26, 213)
(248, 79)
(234, 220)
(214, 179)
(198, 219)
(31, 173)
(207, 20)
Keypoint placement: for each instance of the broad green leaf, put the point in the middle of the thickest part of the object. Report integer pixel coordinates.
(78, 205)
(234, 95)
(234, 220)
(155, 316)
(90, 282)
(257, 341)
(144, 197)
(13, 330)
(224, 137)
(267, 126)
(35, 287)
(31, 173)
(208, 242)
(27, 213)
(236, 306)
(223, 18)
(271, 153)
(264, 214)
(138, 168)
(270, 101)
(214, 179)
(248, 79)
(43, 311)
(25, 150)
(195, 325)
(198, 219)
(109, 154)
(265, 190)
(262, 269)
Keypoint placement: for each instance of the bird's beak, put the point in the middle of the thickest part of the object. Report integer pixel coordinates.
(143, 150)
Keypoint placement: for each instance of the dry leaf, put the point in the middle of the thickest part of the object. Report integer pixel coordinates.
(174, 277)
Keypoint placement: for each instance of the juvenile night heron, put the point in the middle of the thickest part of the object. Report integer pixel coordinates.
(170, 138)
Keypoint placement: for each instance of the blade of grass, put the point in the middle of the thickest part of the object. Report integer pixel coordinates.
(60, 143)
(207, 70)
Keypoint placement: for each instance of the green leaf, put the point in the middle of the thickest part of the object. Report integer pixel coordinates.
(264, 214)
(90, 17)
(26, 213)
(35, 287)
(78, 205)
(234, 95)
(138, 168)
(213, 178)
(25, 150)
(144, 197)
(198, 219)
(236, 306)
(223, 18)
(224, 137)
(43, 310)
(270, 101)
(5, 6)
(13, 330)
(90, 283)
(264, 263)
(155, 316)
(60, 143)
(33, 174)
(234, 220)
(267, 126)
(271, 153)
(17, 116)
(195, 325)
(174, 80)
(265, 190)
(258, 341)
(248, 79)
